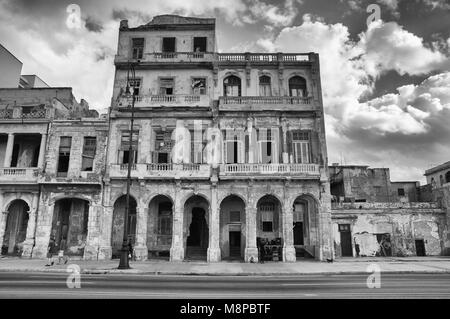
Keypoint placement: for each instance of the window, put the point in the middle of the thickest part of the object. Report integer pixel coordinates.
(265, 88)
(197, 146)
(344, 227)
(135, 86)
(65, 143)
(137, 48)
(232, 146)
(166, 86)
(267, 212)
(163, 147)
(125, 147)
(265, 145)
(301, 147)
(168, 45)
(200, 44)
(89, 148)
(165, 219)
(441, 180)
(198, 86)
(235, 216)
(299, 212)
(232, 86)
(447, 177)
(401, 192)
(297, 86)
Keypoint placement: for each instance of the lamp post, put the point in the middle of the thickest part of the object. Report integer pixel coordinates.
(124, 259)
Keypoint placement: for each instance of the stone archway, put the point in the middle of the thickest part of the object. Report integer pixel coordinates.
(196, 210)
(305, 226)
(118, 224)
(232, 228)
(15, 228)
(70, 224)
(159, 227)
(269, 228)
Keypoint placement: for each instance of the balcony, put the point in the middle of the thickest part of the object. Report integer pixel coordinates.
(31, 113)
(263, 57)
(261, 103)
(161, 171)
(166, 100)
(169, 57)
(295, 171)
(18, 175)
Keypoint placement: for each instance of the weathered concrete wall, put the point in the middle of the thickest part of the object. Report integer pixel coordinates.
(403, 226)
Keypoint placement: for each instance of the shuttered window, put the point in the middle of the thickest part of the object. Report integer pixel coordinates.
(301, 147)
(89, 148)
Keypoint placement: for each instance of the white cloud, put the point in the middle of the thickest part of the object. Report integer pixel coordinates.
(273, 14)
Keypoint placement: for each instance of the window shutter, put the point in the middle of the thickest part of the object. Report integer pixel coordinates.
(290, 148)
(314, 145)
(275, 145)
(241, 146)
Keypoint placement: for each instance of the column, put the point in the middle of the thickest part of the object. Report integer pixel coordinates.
(31, 228)
(105, 249)
(42, 150)
(214, 228)
(93, 234)
(288, 234)
(251, 251)
(140, 248)
(177, 248)
(43, 230)
(3, 216)
(9, 150)
(326, 249)
(284, 133)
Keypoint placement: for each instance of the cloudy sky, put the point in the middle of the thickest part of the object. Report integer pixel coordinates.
(386, 85)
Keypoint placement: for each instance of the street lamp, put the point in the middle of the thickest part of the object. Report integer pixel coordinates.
(124, 259)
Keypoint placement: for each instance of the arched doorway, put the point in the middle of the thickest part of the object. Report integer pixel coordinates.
(232, 228)
(70, 223)
(269, 232)
(159, 227)
(15, 228)
(297, 86)
(196, 211)
(305, 226)
(118, 223)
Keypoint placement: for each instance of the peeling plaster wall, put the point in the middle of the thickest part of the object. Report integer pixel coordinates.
(401, 226)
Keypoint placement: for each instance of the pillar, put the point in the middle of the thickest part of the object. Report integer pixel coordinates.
(140, 248)
(105, 249)
(31, 228)
(3, 216)
(285, 153)
(177, 248)
(251, 251)
(9, 150)
(326, 249)
(214, 228)
(42, 150)
(92, 238)
(288, 234)
(43, 230)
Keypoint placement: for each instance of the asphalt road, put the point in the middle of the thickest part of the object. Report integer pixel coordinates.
(53, 285)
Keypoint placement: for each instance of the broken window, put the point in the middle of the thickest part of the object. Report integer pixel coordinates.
(168, 45)
(301, 146)
(137, 48)
(401, 192)
(265, 88)
(124, 152)
(232, 86)
(163, 147)
(89, 148)
(65, 143)
(166, 86)
(198, 86)
(297, 86)
(200, 44)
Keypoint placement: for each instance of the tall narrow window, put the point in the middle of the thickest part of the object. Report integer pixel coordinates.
(125, 155)
(137, 48)
(65, 143)
(198, 86)
(163, 147)
(297, 86)
(166, 86)
(232, 86)
(168, 45)
(232, 146)
(89, 148)
(135, 86)
(265, 88)
(200, 44)
(265, 145)
(301, 146)
(197, 146)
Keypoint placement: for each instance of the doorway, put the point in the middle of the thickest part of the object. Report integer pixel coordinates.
(346, 240)
(298, 233)
(197, 241)
(420, 247)
(235, 243)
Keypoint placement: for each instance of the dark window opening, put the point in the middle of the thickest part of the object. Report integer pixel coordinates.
(168, 45)
(166, 86)
(267, 226)
(447, 177)
(89, 148)
(232, 86)
(200, 44)
(137, 48)
(401, 192)
(199, 86)
(64, 155)
(297, 86)
(163, 158)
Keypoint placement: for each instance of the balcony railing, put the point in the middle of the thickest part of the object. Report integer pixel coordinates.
(171, 57)
(264, 100)
(262, 57)
(166, 100)
(161, 170)
(17, 113)
(18, 174)
(270, 169)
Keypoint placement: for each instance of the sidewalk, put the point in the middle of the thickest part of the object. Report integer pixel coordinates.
(340, 266)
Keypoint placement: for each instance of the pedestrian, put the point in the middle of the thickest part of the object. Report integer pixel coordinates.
(50, 248)
(356, 248)
(261, 250)
(130, 250)
(62, 248)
